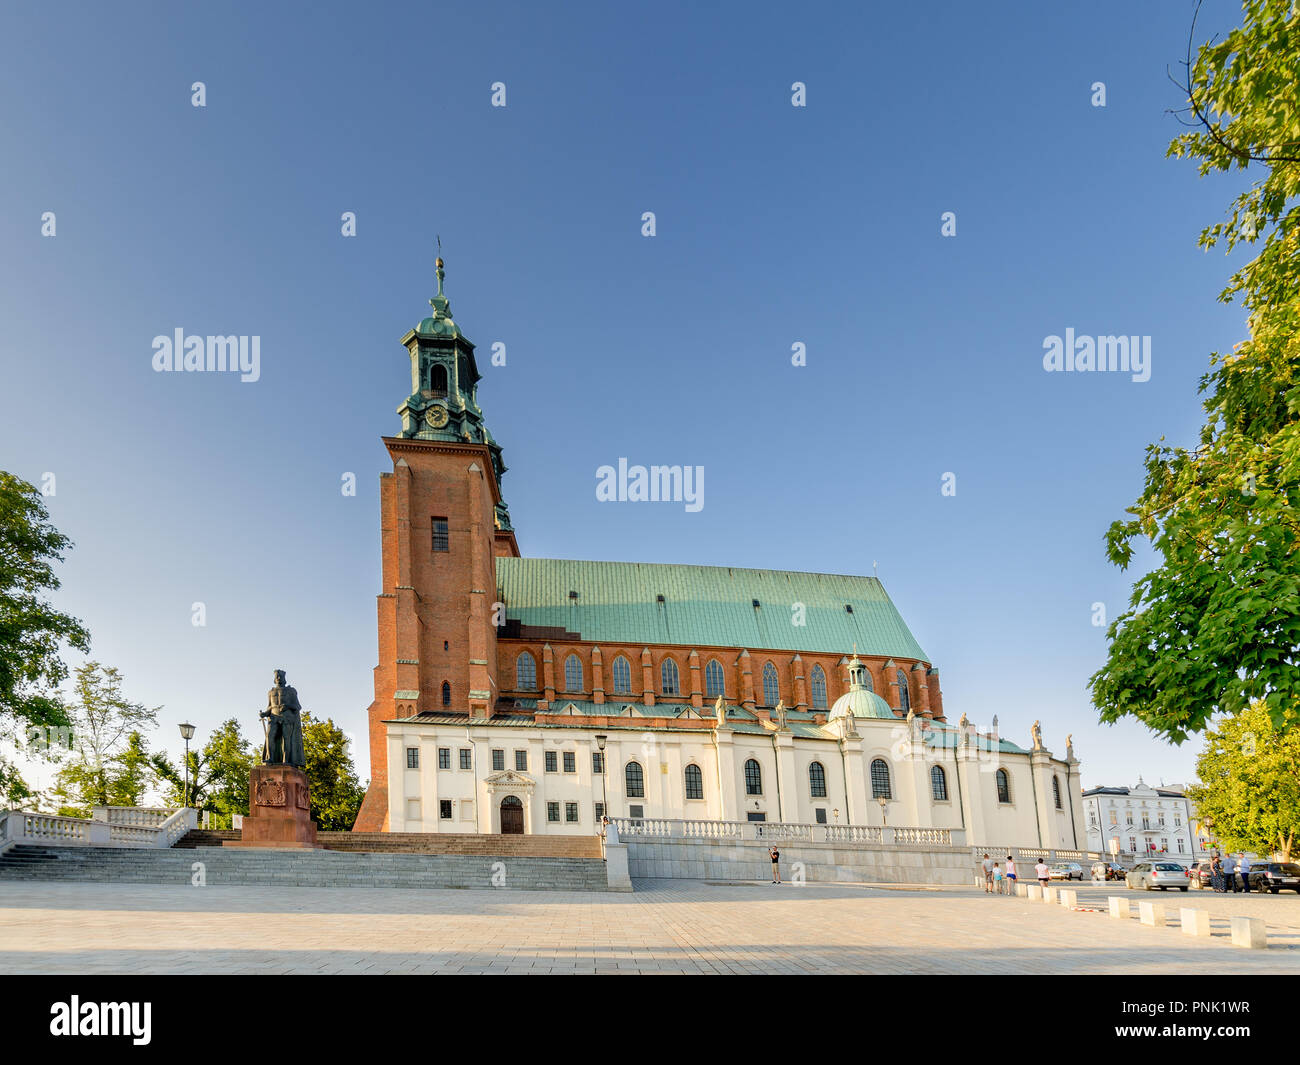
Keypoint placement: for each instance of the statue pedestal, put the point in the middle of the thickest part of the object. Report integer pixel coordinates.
(279, 810)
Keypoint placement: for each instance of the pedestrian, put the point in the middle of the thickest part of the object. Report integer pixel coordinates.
(1243, 870)
(1216, 874)
(1011, 875)
(987, 866)
(1230, 874)
(775, 855)
(1044, 874)
(997, 879)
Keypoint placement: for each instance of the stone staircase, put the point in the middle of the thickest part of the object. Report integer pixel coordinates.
(321, 868)
(494, 846)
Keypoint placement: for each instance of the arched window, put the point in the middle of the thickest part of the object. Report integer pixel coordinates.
(622, 675)
(668, 677)
(880, 780)
(771, 686)
(446, 694)
(438, 378)
(635, 781)
(714, 682)
(818, 689)
(904, 696)
(817, 780)
(867, 682)
(1056, 792)
(526, 672)
(573, 674)
(753, 778)
(694, 782)
(1004, 786)
(938, 784)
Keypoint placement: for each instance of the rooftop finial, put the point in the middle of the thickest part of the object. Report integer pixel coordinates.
(438, 263)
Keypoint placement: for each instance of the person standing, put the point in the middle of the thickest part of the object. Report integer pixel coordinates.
(1230, 874)
(775, 855)
(1043, 873)
(997, 879)
(1011, 875)
(1243, 870)
(987, 866)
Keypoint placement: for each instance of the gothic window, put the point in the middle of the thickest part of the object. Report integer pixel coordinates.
(771, 686)
(1004, 786)
(669, 678)
(635, 780)
(573, 674)
(867, 682)
(714, 684)
(753, 778)
(904, 696)
(438, 378)
(880, 780)
(526, 672)
(818, 688)
(817, 780)
(938, 784)
(1056, 795)
(622, 675)
(694, 782)
(446, 693)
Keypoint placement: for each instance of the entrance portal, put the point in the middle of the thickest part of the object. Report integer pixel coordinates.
(512, 816)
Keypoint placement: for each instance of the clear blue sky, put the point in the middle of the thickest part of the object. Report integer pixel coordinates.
(776, 225)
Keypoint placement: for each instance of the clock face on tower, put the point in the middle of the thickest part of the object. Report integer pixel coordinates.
(436, 417)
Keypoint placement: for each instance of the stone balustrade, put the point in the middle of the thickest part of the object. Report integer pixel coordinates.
(139, 816)
(115, 828)
(785, 831)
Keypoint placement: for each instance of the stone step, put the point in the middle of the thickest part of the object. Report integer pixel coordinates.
(224, 865)
(539, 846)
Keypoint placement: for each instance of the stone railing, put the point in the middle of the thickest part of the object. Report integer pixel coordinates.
(25, 827)
(139, 816)
(633, 828)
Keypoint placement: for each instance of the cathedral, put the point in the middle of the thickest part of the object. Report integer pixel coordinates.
(538, 695)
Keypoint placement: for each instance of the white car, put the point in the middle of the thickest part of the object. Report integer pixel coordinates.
(1158, 874)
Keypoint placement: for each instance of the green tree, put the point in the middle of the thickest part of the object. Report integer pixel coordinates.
(1216, 625)
(336, 794)
(102, 720)
(219, 773)
(1250, 781)
(132, 773)
(32, 633)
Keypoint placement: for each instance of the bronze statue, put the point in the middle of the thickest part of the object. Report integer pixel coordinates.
(283, 726)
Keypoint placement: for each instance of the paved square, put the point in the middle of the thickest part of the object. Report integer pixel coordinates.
(667, 926)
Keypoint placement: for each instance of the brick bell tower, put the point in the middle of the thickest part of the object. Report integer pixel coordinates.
(443, 523)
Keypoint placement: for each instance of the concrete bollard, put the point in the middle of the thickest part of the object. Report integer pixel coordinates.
(1119, 907)
(1152, 913)
(1049, 894)
(1069, 897)
(1033, 891)
(1022, 890)
(1195, 922)
(1248, 932)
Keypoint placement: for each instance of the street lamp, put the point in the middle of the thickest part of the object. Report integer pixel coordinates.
(604, 773)
(836, 814)
(882, 800)
(187, 734)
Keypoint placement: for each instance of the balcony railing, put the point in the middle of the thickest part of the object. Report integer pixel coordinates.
(635, 828)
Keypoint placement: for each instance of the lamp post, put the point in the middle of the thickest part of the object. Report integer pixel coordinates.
(604, 773)
(883, 820)
(187, 734)
(836, 814)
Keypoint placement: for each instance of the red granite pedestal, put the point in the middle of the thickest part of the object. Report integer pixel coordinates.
(279, 810)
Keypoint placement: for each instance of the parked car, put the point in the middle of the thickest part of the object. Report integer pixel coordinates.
(1108, 871)
(1065, 871)
(1274, 876)
(1200, 873)
(1162, 875)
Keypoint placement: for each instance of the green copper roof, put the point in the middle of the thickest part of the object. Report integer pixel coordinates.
(705, 606)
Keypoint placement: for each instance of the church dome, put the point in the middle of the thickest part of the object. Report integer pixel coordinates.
(860, 700)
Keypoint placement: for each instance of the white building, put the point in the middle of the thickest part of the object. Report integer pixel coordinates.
(542, 772)
(1144, 821)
